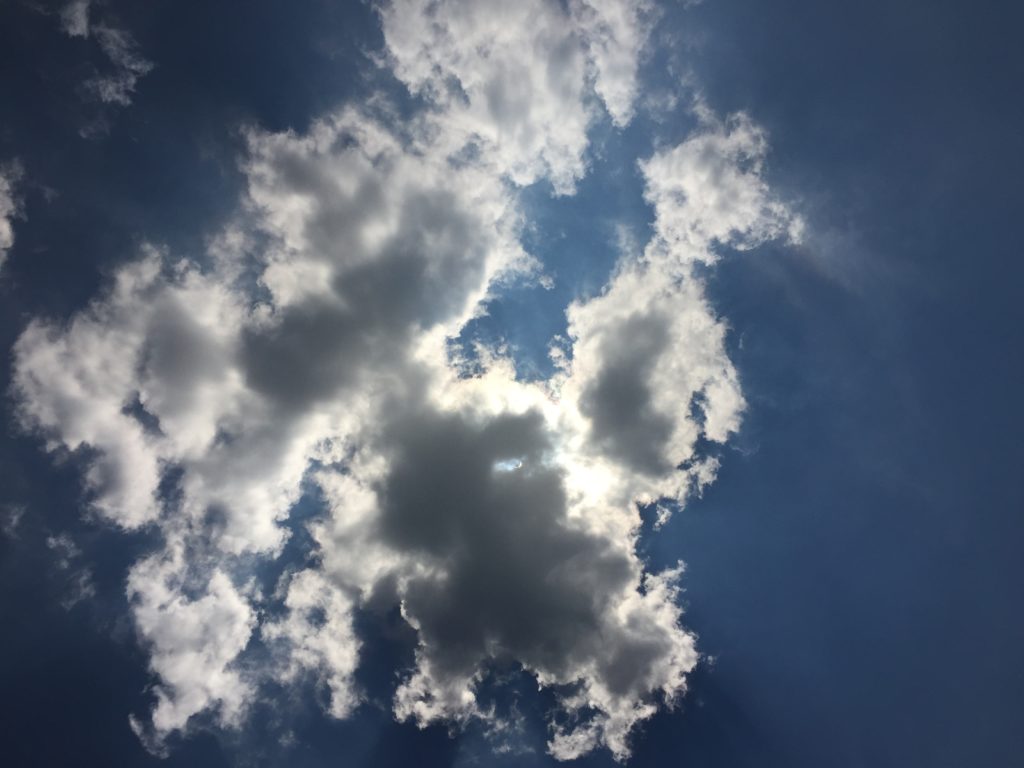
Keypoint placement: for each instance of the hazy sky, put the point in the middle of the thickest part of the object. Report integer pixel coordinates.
(476, 383)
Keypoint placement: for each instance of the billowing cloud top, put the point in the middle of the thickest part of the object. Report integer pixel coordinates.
(310, 347)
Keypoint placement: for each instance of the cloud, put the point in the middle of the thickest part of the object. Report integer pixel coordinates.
(74, 18)
(129, 65)
(649, 369)
(10, 519)
(73, 384)
(310, 350)
(192, 642)
(117, 85)
(9, 208)
(79, 582)
(615, 34)
(514, 83)
(315, 635)
(175, 374)
(499, 569)
(66, 550)
(708, 191)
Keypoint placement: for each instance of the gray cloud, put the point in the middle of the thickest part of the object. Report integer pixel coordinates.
(74, 18)
(618, 401)
(9, 207)
(419, 278)
(515, 579)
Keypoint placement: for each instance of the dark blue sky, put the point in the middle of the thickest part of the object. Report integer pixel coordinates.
(855, 571)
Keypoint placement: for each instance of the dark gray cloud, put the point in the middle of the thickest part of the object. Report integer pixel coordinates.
(619, 400)
(420, 278)
(515, 578)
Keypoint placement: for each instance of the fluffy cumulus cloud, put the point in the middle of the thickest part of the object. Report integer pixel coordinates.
(516, 85)
(310, 349)
(615, 34)
(192, 641)
(708, 191)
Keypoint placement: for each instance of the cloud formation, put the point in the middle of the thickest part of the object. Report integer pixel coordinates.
(310, 347)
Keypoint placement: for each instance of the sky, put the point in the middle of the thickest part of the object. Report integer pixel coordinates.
(465, 383)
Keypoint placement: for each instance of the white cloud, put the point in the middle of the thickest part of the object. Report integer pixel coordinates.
(73, 384)
(646, 353)
(192, 641)
(501, 515)
(615, 33)
(709, 191)
(316, 635)
(510, 82)
(508, 77)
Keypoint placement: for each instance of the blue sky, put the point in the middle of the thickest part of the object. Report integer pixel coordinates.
(277, 409)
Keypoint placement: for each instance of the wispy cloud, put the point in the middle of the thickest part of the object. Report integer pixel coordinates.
(78, 579)
(117, 84)
(74, 18)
